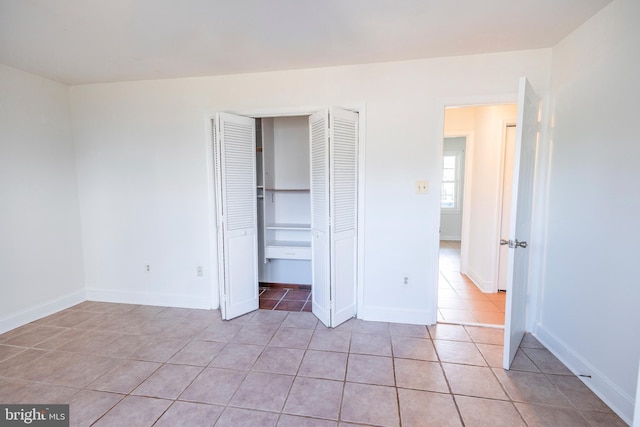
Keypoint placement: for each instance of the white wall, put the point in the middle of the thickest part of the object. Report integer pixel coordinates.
(40, 248)
(589, 308)
(486, 127)
(144, 190)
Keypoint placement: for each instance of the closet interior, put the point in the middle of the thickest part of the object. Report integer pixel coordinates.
(283, 202)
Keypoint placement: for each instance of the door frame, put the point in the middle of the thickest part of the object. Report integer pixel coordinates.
(209, 117)
(540, 202)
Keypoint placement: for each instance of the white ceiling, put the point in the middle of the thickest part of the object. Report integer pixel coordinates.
(87, 41)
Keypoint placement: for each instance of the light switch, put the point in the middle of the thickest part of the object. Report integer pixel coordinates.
(422, 187)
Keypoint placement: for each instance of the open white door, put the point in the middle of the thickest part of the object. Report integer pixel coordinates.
(343, 196)
(526, 145)
(235, 162)
(320, 257)
(333, 138)
(505, 209)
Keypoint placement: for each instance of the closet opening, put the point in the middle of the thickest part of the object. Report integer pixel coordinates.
(284, 213)
(286, 195)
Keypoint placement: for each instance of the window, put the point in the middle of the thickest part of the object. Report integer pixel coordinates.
(451, 185)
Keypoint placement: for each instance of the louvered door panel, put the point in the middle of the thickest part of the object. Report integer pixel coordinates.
(344, 182)
(343, 201)
(319, 152)
(235, 161)
(319, 174)
(240, 181)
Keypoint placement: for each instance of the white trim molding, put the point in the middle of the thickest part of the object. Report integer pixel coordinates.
(147, 298)
(486, 286)
(397, 315)
(39, 311)
(606, 389)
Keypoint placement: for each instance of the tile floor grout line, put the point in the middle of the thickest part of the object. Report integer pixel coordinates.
(306, 301)
(286, 291)
(395, 379)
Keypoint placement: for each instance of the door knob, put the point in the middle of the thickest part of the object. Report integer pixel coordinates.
(506, 242)
(521, 244)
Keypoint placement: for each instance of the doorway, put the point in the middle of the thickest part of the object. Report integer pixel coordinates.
(527, 136)
(284, 213)
(471, 214)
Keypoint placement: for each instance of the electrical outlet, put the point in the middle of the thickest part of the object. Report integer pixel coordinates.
(405, 281)
(422, 187)
(147, 268)
(199, 271)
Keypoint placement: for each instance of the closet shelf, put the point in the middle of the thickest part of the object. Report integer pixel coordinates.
(288, 189)
(291, 243)
(289, 226)
(286, 249)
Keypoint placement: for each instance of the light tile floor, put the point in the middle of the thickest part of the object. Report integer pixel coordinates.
(131, 365)
(459, 300)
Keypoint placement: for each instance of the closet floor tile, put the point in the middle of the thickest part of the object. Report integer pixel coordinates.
(285, 298)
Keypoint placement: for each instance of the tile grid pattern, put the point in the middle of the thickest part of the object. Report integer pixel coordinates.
(284, 298)
(134, 365)
(459, 299)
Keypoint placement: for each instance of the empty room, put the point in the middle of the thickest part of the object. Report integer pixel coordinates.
(231, 213)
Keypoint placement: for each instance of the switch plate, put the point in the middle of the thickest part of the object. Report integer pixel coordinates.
(422, 187)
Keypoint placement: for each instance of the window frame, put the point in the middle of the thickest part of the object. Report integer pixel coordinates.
(457, 182)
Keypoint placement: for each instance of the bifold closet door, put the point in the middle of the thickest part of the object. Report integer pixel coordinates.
(320, 256)
(235, 164)
(334, 202)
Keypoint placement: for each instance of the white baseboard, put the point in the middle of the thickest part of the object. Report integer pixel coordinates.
(619, 401)
(379, 314)
(485, 286)
(145, 298)
(41, 310)
(450, 238)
